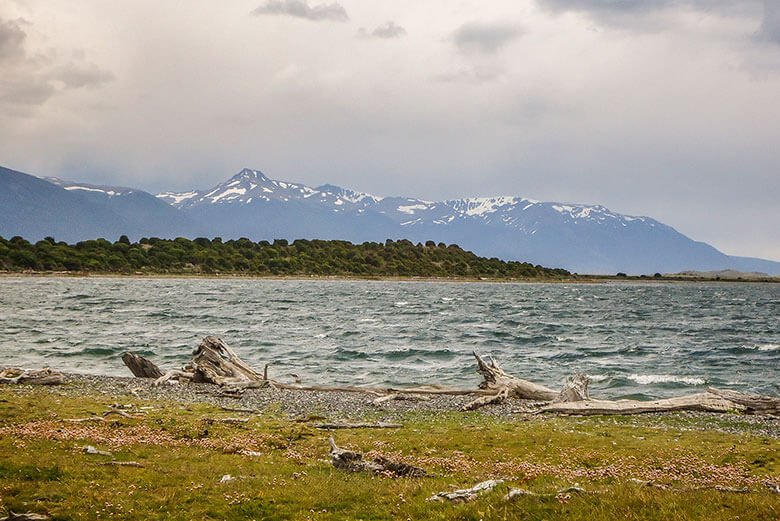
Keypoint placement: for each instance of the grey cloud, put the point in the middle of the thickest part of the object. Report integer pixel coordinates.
(11, 40)
(637, 14)
(388, 30)
(30, 79)
(484, 37)
(302, 9)
(26, 90)
(770, 25)
(473, 76)
(78, 74)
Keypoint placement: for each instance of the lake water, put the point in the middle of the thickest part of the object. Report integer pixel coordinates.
(648, 339)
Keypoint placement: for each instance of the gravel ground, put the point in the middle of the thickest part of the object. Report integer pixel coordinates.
(330, 404)
(355, 406)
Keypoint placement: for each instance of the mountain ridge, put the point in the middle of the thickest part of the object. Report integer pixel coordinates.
(578, 237)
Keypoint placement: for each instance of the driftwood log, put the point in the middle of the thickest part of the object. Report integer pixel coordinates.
(353, 462)
(213, 361)
(45, 376)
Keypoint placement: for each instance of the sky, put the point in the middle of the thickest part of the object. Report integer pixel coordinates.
(665, 108)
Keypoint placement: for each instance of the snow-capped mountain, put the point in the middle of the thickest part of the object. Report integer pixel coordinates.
(581, 238)
(250, 186)
(146, 215)
(104, 191)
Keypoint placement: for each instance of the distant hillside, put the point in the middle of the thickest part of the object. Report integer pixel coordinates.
(579, 238)
(35, 208)
(723, 275)
(244, 257)
(146, 215)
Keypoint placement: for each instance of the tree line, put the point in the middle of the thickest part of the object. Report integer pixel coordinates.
(400, 258)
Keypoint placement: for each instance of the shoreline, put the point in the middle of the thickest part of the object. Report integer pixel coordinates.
(360, 406)
(582, 279)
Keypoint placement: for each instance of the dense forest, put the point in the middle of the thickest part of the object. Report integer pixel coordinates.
(243, 257)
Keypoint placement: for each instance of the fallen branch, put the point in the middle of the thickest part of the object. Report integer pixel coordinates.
(380, 425)
(230, 421)
(562, 493)
(124, 464)
(353, 462)
(467, 494)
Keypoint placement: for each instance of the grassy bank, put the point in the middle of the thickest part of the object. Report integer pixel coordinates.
(699, 467)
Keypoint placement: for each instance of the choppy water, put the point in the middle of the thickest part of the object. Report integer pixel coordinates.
(648, 339)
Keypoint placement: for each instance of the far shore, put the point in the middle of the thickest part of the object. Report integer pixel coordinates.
(578, 279)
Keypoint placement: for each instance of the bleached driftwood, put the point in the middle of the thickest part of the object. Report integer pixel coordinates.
(213, 361)
(495, 379)
(89, 449)
(140, 366)
(13, 375)
(27, 516)
(467, 494)
(353, 462)
(706, 402)
(753, 403)
(519, 492)
(123, 464)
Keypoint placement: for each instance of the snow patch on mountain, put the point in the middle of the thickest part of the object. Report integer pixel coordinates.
(110, 191)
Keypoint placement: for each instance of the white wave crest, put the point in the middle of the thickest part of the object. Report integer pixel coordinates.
(768, 347)
(648, 379)
(597, 377)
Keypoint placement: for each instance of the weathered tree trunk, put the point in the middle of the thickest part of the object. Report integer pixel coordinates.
(213, 361)
(140, 366)
(495, 379)
(706, 402)
(46, 376)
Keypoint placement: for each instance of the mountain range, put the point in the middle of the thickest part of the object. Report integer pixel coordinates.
(577, 237)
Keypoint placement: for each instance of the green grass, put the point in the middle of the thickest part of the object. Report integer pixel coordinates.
(184, 454)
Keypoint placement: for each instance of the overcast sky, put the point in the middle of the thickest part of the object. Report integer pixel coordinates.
(666, 108)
